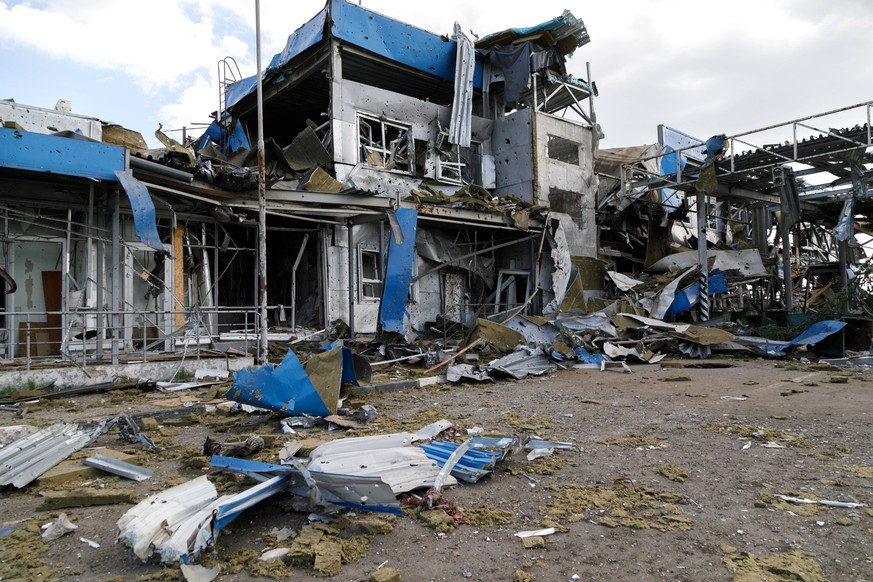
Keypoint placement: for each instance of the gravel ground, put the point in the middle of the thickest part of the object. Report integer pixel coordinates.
(674, 474)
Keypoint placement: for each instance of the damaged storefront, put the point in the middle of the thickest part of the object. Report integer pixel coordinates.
(406, 189)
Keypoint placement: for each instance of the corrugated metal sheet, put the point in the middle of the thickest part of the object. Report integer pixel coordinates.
(27, 458)
(154, 519)
(523, 363)
(144, 220)
(351, 491)
(477, 460)
(402, 468)
(117, 467)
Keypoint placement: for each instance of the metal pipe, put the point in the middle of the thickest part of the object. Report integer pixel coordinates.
(590, 93)
(788, 291)
(323, 250)
(100, 272)
(262, 200)
(159, 169)
(350, 226)
(65, 286)
(116, 275)
(843, 248)
(701, 256)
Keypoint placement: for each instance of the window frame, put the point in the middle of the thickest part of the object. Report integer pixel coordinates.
(385, 153)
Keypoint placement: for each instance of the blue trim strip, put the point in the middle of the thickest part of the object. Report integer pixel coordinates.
(398, 273)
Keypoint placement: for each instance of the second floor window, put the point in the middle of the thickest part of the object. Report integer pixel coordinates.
(385, 144)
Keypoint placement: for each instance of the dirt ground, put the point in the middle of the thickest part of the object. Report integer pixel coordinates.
(674, 476)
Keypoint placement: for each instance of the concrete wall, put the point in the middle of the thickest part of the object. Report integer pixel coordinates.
(350, 98)
(512, 145)
(568, 188)
(164, 371)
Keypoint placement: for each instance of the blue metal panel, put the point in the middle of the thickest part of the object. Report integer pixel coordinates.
(239, 90)
(247, 466)
(471, 467)
(686, 298)
(813, 334)
(285, 388)
(586, 358)
(236, 504)
(372, 31)
(398, 41)
(398, 273)
(229, 141)
(144, 221)
(35, 152)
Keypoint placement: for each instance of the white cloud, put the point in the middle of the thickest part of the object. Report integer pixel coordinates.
(157, 44)
(688, 64)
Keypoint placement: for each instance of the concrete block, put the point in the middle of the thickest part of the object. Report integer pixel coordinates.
(533, 542)
(54, 500)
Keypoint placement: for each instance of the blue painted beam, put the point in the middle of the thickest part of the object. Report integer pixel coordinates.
(50, 154)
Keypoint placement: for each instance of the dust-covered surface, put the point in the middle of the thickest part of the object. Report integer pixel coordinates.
(667, 480)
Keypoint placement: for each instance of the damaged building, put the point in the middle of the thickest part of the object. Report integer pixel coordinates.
(418, 185)
(439, 201)
(772, 223)
(411, 178)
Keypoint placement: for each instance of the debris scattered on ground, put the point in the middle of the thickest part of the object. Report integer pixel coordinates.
(674, 473)
(791, 565)
(636, 441)
(626, 505)
(61, 526)
(767, 435)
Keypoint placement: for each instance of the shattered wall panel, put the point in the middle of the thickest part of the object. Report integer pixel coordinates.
(566, 187)
(512, 144)
(426, 303)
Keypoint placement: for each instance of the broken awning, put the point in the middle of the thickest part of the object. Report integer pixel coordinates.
(143, 209)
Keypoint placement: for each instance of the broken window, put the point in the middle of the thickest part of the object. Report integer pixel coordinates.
(563, 150)
(460, 165)
(450, 166)
(370, 269)
(385, 144)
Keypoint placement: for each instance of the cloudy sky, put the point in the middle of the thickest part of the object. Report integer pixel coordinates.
(703, 68)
